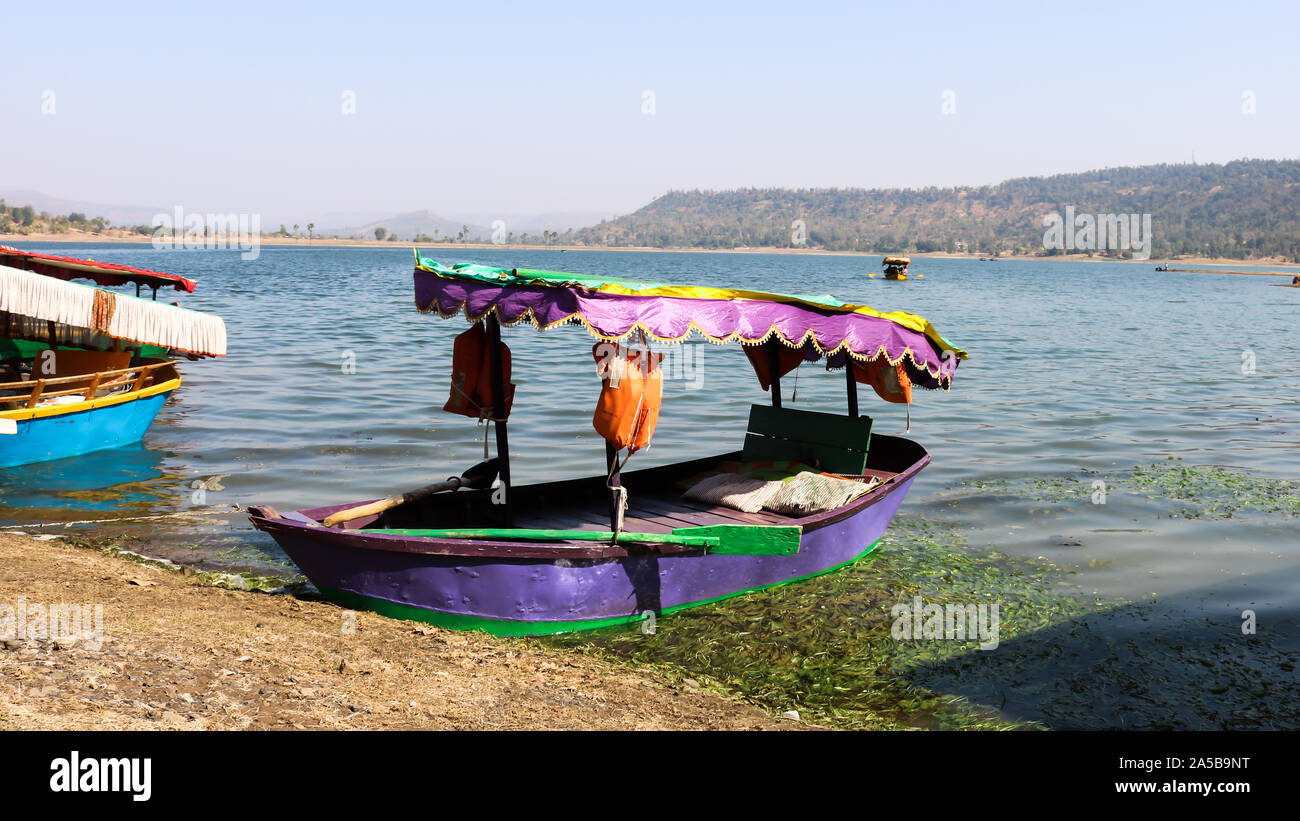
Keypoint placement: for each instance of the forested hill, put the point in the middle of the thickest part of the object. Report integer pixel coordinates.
(1244, 209)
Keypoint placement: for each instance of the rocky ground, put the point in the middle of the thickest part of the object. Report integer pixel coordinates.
(181, 653)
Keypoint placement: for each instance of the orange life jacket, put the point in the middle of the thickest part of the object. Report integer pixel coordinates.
(633, 390)
(890, 382)
(761, 358)
(471, 375)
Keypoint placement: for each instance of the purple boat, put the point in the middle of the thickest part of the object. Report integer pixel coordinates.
(808, 493)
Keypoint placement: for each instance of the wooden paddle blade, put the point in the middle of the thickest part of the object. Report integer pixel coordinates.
(372, 509)
(478, 477)
(749, 540)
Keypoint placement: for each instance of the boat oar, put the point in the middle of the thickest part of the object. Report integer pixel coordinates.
(737, 540)
(477, 477)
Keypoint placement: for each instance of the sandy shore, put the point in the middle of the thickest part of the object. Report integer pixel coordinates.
(81, 237)
(180, 653)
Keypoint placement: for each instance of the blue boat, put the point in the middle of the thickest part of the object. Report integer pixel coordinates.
(84, 369)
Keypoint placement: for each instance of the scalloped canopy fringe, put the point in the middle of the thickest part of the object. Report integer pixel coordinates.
(616, 309)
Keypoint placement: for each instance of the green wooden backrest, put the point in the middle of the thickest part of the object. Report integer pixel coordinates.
(838, 443)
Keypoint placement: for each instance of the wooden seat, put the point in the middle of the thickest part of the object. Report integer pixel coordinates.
(74, 363)
(838, 444)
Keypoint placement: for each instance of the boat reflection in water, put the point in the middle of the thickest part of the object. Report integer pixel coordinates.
(129, 480)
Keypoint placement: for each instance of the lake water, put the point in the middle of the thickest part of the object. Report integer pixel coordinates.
(1078, 372)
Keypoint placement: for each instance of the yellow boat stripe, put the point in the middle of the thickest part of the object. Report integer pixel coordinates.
(102, 402)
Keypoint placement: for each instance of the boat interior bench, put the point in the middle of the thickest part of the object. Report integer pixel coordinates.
(835, 443)
(76, 363)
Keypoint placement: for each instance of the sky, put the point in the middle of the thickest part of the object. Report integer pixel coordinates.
(480, 108)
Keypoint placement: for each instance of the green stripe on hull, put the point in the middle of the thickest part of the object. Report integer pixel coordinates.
(509, 627)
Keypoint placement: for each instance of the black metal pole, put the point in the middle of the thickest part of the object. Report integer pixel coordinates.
(499, 410)
(615, 480)
(774, 366)
(853, 385)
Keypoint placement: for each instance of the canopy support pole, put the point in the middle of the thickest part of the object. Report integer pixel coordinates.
(774, 366)
(615, 481)
(499, 412)
(853, 385)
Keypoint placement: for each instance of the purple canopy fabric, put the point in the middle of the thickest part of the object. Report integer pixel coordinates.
(669, 318)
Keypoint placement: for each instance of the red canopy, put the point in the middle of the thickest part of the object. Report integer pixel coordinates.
(102, 273)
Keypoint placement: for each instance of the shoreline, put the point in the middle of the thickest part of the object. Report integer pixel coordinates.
(179, 652)
(81, 238)
(1240, 273)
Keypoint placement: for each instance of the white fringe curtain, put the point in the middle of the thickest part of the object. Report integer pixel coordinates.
(126, 317)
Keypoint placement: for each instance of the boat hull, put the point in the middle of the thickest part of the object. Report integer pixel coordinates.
(79, 429)
(537, 596)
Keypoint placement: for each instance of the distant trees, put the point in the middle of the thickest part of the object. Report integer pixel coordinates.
(24, 219)
(380, 233)
(1237, 210)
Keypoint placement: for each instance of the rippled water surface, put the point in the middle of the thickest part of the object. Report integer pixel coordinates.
(1078, 372)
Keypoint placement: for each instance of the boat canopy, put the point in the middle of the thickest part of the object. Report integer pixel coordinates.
(30, 298)
(897, 261)
(105, 274)
(613, 309)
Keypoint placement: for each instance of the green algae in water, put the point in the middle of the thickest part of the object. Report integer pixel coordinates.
(1212, 491)
(824, 647)
(113, 546)
(1216, 491)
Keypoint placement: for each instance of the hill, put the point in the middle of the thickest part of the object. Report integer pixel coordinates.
(1239, 210)
(412, 224)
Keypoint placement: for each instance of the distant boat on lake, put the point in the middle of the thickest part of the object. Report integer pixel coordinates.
(896, 267)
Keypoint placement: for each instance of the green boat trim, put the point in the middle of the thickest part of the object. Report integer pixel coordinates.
(733, 540)
(512, 628)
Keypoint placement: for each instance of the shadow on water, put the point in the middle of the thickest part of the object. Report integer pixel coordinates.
(1165, 665)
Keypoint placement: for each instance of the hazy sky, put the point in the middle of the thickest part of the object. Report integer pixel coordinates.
(485, 107)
